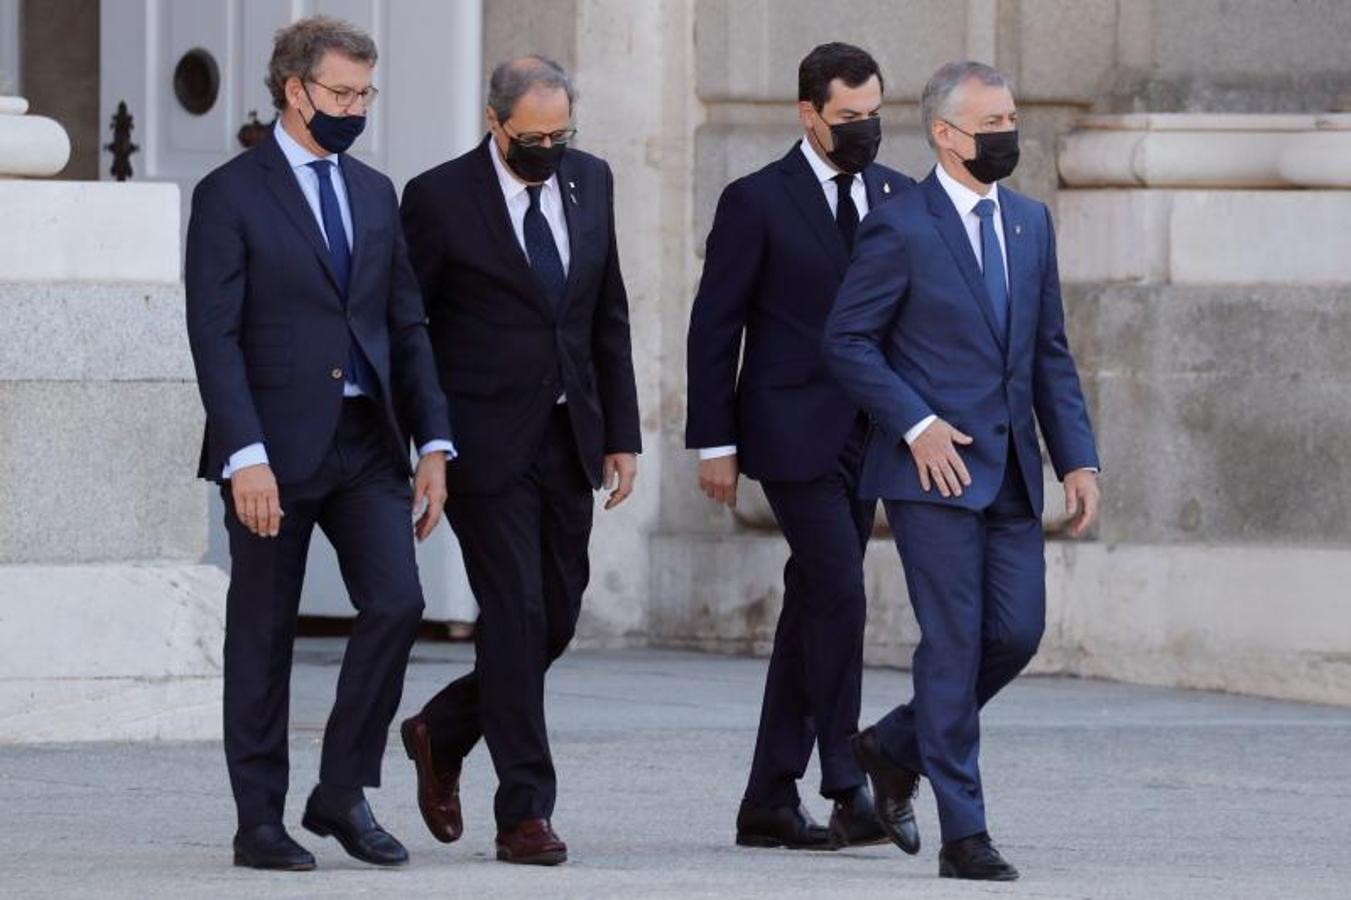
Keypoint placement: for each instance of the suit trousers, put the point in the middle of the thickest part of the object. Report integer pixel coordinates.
(815, 678)
(363, 503)
(526, 553)
(977, 582)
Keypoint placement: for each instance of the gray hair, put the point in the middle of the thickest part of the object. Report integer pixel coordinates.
(515, 78)
(942, 93)
(298, 48)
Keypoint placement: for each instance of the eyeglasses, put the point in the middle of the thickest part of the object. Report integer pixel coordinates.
(346, 97)
(536, 138)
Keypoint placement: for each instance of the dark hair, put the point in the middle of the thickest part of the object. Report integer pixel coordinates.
(515, 78)
(852, 65)
(298, 48)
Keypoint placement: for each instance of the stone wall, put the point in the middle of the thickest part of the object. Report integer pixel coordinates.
(1213, 351)
(111, 628)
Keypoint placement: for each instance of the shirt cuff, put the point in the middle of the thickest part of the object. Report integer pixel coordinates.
(717, 452)
(1094, 469)
(918, 428)
(252, 455)
(445, 447)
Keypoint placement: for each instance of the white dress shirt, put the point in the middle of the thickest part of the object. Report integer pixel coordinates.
(299, 159)
(518, 203)
(825, 174)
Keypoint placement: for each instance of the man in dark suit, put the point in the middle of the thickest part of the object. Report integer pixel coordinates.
(514, 244)
(949, 331)
(316, 372)
(779, 247)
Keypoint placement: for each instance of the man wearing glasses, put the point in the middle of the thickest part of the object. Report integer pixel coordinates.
(317, 376)
(514, 245)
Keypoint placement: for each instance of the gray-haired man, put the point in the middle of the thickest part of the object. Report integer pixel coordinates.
(514, 244)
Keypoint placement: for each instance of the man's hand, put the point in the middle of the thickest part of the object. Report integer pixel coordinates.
(937, 459)
(718, 479)
(618, 475)
(1082, 498)
(429, 493)
(257, 501)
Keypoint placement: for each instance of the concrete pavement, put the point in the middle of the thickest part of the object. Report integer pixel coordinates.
(1095, 790)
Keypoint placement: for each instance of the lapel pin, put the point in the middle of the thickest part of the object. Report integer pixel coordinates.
(572, 193)
(1017, 229)
(886, 187)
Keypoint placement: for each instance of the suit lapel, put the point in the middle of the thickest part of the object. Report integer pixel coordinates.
(810, 200)
(950, 228)
(362, 205)
(878, 186)
(571, 190)
(1022, 294)
(281, 181)
(492, 207)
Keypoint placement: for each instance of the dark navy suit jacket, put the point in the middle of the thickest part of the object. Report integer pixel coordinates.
(504, 352)
(913, 333)
(270, 328)
(773, 263)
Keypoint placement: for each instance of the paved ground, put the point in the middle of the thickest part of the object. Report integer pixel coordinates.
(1095, 790)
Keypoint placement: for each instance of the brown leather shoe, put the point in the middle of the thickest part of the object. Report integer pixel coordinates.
(438, 795)
(531, 843)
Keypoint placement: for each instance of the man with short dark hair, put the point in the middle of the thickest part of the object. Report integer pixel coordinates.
(316, 372)
(514, 244)
(779, 247)
(949, 331)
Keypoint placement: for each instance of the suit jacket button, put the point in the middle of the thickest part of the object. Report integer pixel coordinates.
(1001, 429)
(336, 374)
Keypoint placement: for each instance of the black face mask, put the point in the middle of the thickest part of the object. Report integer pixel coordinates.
(534, 164)
(996, 155)
(334, 133)
(856, 144)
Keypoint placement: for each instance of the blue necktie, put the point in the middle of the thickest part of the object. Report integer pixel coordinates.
(359, 371)
(992, 261)
(543, 252)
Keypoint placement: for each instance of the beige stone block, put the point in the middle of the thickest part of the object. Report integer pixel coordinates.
(73, 331)
(97, 471)
(110, 652)
(750, 49)
(89, 231)
(1260, 237)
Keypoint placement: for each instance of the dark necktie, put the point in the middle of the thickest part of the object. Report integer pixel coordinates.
(541, 249)
(359, 370)
(992, 261)
(846, 213)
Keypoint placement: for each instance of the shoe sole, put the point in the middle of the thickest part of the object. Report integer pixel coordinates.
(947, 871)
(764, 842)
(245, 863)
(839, 844)
(550, 858)
(321, 830)
(407, 739)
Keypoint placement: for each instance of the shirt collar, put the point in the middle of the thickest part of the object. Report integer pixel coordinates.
(513, 187)
(962, 196)
(295, 154)
(820, 168)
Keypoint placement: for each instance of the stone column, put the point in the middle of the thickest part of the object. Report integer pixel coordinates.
(111, 629)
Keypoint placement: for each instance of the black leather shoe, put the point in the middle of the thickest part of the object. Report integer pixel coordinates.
(976, 859)
(780, 826)
(893, 786)
(270, 847)
(853, 821)
(355, 828)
